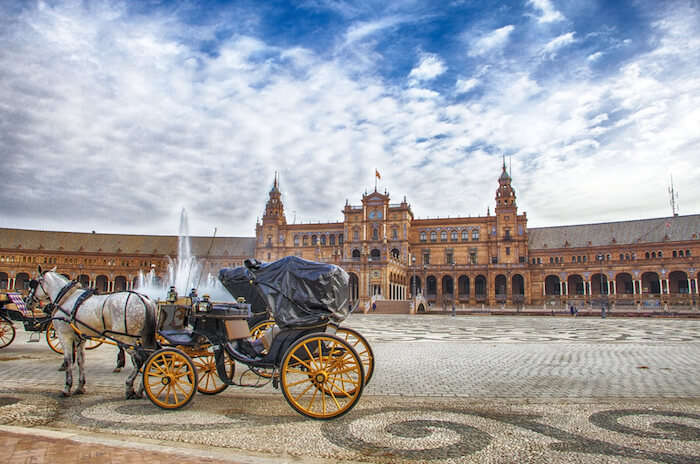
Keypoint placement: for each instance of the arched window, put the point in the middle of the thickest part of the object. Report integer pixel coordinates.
(375, 233)
(314, 240)
(375, 254)
(305, 240)
(475, 234)
(465, 235)
(443, 236)
(433, 236)
(395, 253)
(356, 253)
(423, 237)
(323, 239)
(660, 254)
(296, 240)
(646, 255)
(331, 240)
(453, 235)
(355, 234)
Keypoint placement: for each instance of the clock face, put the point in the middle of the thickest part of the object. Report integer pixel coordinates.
(379, 214)
(371, 214)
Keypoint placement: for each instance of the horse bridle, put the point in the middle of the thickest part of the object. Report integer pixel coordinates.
(32, 300)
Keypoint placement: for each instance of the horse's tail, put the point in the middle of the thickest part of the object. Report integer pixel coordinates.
(148, 333)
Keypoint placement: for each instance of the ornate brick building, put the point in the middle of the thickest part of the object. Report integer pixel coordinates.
(494, 259)
(491, 260)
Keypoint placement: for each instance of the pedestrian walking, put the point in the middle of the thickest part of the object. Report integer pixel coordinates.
(602, 311)
(571, 310)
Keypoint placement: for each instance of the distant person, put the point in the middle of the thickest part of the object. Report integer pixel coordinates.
(572, 310)
(374, 307)
(602, 311)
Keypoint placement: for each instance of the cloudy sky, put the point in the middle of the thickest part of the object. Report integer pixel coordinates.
(115, 115)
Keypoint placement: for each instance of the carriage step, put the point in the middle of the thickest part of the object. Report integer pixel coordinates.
(34, 337)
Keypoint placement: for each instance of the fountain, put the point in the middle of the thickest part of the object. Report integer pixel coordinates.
(184, 273)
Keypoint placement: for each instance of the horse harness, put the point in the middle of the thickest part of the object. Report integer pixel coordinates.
(85, 295)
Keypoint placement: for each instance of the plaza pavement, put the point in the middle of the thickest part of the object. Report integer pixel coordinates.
(445, 389)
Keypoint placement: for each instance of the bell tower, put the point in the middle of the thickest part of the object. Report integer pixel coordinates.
(271, 233)
(505, 195)
(274, 209)
(507, 228)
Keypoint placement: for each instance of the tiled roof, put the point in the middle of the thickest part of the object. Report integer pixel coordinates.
(670, 229)
(122, 243)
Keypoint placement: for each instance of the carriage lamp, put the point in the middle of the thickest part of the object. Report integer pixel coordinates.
(204, 306)
(172, 295)
(240, 299)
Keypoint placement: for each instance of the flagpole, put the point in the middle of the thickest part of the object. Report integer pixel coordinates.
(375, 179)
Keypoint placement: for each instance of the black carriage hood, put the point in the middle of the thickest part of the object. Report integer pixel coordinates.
(300, 293)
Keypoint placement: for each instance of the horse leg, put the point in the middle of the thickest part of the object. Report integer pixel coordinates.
(120, 360)
(68, 361)
(136, 361)
(63, 364)
(80, 355)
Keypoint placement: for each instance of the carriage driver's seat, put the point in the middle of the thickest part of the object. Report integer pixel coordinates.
(173, 325)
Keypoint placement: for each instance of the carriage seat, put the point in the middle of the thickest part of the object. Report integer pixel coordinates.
(173, 325)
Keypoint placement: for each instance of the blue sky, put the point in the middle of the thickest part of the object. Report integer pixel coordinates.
(115, 115)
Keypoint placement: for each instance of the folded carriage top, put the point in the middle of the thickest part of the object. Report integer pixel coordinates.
(299, 293)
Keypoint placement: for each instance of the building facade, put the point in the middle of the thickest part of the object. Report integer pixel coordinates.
(469, 261)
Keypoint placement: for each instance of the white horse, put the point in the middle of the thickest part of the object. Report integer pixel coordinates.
(126, 317)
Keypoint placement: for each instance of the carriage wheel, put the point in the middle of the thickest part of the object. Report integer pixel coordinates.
(169, 378)
(259, 329)
(321, 376)
(56, 345)
(52, 339)
(361, 345)
(209, 381)
(255, 333)
(7, 332)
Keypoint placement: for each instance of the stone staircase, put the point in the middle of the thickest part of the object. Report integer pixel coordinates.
(392, 307)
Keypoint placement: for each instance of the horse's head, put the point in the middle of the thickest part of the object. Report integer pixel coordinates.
(44, 288)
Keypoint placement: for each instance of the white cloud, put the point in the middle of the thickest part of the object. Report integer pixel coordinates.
(492, 41)
(548, 13)
(465, 85)
(553, 46)
(429, 68)
(105, 120)
(359, 31)
(594, 56)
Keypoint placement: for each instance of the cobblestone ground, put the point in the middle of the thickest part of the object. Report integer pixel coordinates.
(462, 389)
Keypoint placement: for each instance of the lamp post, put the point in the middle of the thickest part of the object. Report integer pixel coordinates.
(602, 301)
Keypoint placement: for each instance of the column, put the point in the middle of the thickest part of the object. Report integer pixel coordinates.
(696, 285)
(609, 287)
(690, 287)
(561, 288)
(566, 288)
(11, 283)
(614, 287)
(668, 288)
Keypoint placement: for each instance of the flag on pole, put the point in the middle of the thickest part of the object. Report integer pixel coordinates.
(377, 175)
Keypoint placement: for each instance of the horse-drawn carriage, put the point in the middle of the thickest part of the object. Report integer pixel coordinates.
(181, 348)
(13, 309)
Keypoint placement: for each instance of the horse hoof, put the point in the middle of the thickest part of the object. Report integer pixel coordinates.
(62, 369)
(131, 395)
(65, 394)
(79, 391)
(117, 369)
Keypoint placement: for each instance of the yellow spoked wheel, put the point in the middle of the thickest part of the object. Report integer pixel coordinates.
(255, 333)
(361, 345)
(55, 343)
(321, 376)
(7, 332)
(169, 378)
(209, 381)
